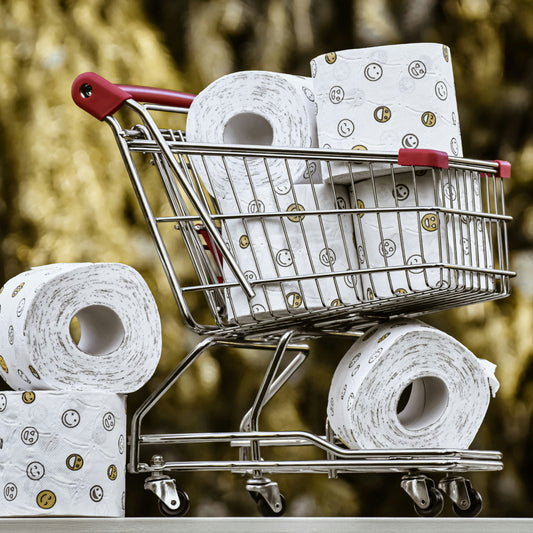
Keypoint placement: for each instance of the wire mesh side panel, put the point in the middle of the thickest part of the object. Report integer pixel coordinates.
(430, 239)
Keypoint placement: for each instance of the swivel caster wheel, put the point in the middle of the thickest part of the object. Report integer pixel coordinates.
(435, 505)
(266, 494)
(172, 501)
(180, 510)
(467, 501)
(427, 499)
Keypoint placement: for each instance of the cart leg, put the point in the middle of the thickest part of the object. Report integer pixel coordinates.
(467, 501)
(427, 499)
(266, 494)
(330, 436)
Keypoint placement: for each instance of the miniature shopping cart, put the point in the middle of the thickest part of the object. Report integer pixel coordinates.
(283, 253)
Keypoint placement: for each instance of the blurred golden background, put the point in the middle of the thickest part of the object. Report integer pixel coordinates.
(65, 197)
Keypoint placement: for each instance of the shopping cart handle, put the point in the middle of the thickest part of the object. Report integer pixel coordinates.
(101, 98)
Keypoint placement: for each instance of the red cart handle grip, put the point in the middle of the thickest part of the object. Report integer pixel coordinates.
(101, 98)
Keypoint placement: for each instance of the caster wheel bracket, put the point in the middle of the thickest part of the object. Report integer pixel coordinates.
(455, 488)
(417, 489)
(164, 487)
(467, 502)
(268, 491)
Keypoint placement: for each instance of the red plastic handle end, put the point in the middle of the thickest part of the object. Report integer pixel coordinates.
(98, 96)
(422, 157)
(504, 168)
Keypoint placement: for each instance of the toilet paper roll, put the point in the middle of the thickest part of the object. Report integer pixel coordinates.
(448, 390)
(384, 98)
(120, 342)
(421, 235)
(62, 453)
(255, 108)
(274, 248)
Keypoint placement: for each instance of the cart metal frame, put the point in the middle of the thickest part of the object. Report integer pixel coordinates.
(196, 215)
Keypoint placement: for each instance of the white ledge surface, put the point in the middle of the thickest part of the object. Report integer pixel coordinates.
(267, 525)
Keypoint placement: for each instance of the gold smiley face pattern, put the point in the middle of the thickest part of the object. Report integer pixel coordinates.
(62, 453)
(386, 98)
(299, 243)
(420, 235)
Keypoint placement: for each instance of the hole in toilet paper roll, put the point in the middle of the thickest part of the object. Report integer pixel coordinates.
(422, 402)
(248, 128)
(96, 330)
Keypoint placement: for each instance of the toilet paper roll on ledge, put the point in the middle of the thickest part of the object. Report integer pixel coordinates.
(62, 453)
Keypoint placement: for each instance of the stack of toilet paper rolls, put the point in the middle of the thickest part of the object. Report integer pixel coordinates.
(382, 99)
(377, 99)
(63, 428)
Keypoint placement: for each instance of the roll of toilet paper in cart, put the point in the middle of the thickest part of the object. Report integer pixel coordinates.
(415, 233)
(308, 246)
(254, 108)
(407, 385)
(119, 326)
(62, 453)
(384, 98)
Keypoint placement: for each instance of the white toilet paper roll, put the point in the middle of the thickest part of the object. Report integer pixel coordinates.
(62, 453)
(384, 98)
(448, 390)
(255, 108)
(421, 236)
(120, 341)
(303, 244)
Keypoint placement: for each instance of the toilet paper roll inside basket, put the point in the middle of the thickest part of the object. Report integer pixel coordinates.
(384, 98)
(448, 390)
(254, 108)
(414, 233)
(292, 253)
(62, 453)
(120, 342)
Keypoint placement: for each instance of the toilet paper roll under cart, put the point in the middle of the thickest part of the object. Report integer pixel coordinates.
(62, 453)
(120, 329)
(448, 387)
